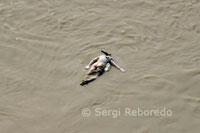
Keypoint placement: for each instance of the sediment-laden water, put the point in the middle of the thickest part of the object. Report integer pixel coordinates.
(45, 45)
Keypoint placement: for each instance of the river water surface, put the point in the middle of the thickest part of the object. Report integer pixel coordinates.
(45, 45)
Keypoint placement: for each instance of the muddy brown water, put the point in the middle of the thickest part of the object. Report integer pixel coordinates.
(45, 45)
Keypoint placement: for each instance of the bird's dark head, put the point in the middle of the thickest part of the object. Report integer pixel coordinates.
(106, 53)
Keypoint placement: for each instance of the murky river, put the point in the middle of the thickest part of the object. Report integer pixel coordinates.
(45, 45)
